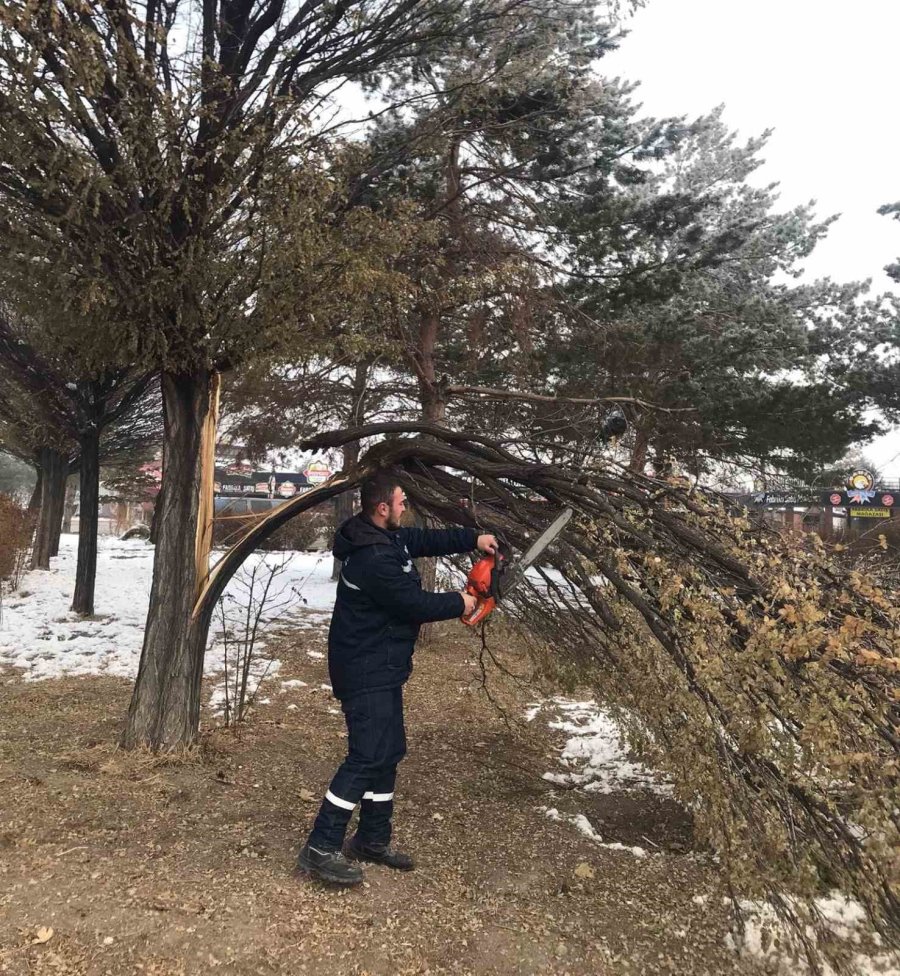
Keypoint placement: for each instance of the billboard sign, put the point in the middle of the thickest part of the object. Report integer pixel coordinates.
(260, 484)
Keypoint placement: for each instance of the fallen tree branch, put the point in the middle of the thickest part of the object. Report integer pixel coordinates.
(760, 677)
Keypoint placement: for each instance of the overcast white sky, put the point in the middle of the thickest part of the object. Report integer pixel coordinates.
(824, 75)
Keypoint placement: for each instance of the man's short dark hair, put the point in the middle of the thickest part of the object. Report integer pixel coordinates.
(377, 489)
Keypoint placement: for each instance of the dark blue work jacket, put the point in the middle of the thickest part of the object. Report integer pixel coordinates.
(380, 602)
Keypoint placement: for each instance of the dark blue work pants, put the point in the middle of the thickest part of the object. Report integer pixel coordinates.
(376, 742)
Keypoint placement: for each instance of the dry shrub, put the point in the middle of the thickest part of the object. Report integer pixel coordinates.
(303, 532)
(16, 527)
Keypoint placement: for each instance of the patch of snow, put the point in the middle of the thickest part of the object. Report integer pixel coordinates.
(42, 637)
(533, 711)
(615, 846)
(292, 683)
(766, 938)
(582, 824)
(595, 756)
(318, 655)
(40, 634)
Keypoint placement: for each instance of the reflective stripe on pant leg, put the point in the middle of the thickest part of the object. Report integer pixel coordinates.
(372, 745)
(335, 813)
(377, 808)
(338, 802)
(351, 780)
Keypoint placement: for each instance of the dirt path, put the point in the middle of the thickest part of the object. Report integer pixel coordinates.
(148, 867)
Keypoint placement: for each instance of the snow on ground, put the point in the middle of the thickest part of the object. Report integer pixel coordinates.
(40, 635)
(767, 939)
(581, 823)
(595, 757)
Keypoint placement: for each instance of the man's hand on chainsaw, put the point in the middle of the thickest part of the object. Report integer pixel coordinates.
(488, 544)
(470, 601)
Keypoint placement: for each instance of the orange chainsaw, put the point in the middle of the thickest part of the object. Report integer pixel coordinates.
(493, 577)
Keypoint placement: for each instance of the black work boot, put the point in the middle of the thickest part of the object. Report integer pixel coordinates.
(358, 850)
(330, 866)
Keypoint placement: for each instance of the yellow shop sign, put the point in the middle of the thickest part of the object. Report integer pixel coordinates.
(870, 512)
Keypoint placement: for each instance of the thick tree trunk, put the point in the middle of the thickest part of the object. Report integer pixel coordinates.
(59, 509)
(54, 470)
(165, 706)
(35, 503)
(69, 506)
(89, 491)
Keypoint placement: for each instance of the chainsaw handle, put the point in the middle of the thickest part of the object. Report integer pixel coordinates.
(482, 609)
(482, 584)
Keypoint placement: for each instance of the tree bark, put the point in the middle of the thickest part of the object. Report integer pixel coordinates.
(343, 503)
(58, 509)
(35, 503)
(69, 507)
(165, 706)
(54, 467)
(641, 447)
(89, 492)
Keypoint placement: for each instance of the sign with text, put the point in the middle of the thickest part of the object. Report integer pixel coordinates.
(260, 484)
(799, 496)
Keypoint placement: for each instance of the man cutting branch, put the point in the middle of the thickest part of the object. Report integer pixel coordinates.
(379, 607)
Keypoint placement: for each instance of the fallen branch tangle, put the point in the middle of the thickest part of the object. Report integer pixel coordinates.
(765, 684)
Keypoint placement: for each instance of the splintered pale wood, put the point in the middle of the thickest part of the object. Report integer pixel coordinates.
(206, 507)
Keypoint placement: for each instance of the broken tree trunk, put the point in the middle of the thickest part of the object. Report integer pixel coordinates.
(165, 706)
